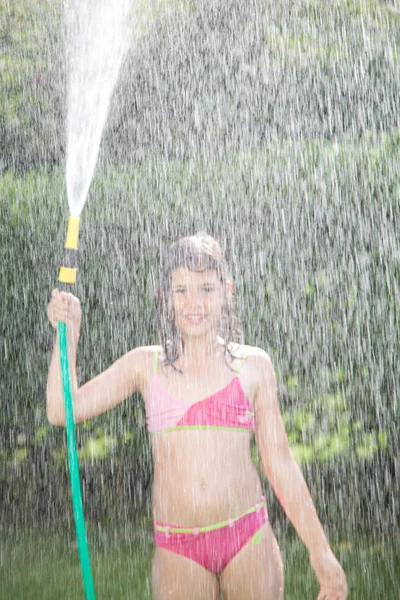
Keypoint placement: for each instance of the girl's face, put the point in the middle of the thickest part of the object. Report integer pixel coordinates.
(197, 299)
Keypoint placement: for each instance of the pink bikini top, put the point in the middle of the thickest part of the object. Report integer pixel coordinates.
(226, 409)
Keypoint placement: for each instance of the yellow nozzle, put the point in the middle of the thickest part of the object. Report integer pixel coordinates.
(67, 275)
(72, 233)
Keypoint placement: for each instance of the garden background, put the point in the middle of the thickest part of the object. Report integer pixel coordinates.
(274, 126)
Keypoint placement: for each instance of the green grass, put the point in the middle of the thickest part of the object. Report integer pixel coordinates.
(44, 564)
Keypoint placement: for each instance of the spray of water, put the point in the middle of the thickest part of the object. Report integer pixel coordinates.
(97, 39)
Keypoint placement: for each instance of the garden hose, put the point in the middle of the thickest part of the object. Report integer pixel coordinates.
(67, 278)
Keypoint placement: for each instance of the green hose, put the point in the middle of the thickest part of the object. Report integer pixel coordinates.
(74, 467)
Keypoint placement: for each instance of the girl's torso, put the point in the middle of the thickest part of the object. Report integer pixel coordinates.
(202, 475)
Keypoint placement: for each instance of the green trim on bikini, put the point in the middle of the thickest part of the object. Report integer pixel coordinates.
(208, 527)
(155, 362)
(189, 427)
(257, 537)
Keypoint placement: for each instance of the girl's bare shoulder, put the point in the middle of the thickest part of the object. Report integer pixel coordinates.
(250, 352)
(255, 358)
(145, 355)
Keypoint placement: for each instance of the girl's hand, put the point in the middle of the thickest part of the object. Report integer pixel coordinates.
(66, 308)
(331, 577)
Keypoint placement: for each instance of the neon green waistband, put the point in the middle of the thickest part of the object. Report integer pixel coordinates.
(173, 529)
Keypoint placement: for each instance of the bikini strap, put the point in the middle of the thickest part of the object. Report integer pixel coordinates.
(242, 358)
(155, 362)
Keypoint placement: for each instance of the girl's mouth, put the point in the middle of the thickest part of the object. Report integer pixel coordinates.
(195, 319)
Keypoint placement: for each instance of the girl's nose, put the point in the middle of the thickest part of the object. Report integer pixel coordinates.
(194, 299)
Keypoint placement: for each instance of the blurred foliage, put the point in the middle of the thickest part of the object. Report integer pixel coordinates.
(206, 78)
(32, 85)
(317, 287)
(275, 131)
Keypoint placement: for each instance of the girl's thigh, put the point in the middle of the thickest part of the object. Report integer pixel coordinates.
(175, 577)
(256, 571)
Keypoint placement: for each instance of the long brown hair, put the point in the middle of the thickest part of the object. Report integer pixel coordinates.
(199, 252)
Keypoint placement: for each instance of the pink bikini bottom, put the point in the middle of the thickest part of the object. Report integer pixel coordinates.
(215, 545)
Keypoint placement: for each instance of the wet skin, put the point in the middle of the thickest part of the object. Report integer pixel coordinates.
(202, 477)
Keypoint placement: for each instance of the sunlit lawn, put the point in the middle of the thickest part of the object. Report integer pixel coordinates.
(44, 565)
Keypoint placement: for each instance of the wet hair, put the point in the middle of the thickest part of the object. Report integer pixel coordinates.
(197, 253)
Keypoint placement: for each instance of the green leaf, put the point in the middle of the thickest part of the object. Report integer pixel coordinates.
(383, 440)
(302, 454)
(292, 383)
(97, 448)
(20, 454)
(41, 434)
(304, 420)
(368, 446)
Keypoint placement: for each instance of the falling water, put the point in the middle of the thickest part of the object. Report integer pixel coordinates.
(97, 41)
(273, 126)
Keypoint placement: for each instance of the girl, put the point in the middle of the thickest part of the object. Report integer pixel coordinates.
(204, 395)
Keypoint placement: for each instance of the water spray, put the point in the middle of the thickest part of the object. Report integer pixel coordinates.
(97, 41)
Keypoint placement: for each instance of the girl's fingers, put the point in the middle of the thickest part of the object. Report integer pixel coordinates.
(64, 299)
(64, 307)
(325, 594)
(57, 312)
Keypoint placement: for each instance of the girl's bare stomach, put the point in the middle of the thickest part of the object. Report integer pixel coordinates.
(202, 477)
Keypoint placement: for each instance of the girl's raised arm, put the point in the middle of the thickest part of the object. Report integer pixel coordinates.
(101, 393)
(289, 485)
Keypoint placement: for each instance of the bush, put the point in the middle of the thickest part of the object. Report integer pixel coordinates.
(203, 80)
(310, 233)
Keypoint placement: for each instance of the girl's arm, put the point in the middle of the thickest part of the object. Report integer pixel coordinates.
(100, 393)
(288, 482)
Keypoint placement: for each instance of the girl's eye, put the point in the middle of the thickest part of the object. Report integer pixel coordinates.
(208, 289)
(180, 290)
